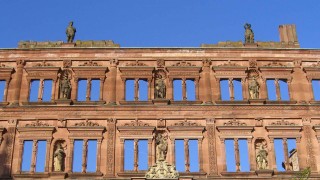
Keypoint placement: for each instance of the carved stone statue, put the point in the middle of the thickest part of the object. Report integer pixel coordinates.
(249, 35)
(160, 89)
(65, 87)
(254, 89)
(261, 157)
(59, 158)
(71, 32)
(162, 146)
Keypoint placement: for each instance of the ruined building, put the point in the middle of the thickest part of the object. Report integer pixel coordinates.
(93, 110)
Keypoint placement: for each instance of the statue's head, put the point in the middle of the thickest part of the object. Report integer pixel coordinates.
(70, 23)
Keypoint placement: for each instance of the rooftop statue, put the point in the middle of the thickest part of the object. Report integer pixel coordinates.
(249, 35)
(71, 32)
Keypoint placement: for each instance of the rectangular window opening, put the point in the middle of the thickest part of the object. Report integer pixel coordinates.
(34, 90)
(47, 90)
(41, 156)
(284, 90)
(128, 155)
(179, 154)
(315, 88)
(2, 90)
(190, 90)
(143, 90)
(271, 88)
(279, 152)
(26, 156)
(92, 156)
(237, 89)
(82, 90)
(129, 90)
(77, 155)
(244, 155)
(95, 90)
(194, 155)
(143, 154)
(230, 155)
(224, 90)
(177, 90)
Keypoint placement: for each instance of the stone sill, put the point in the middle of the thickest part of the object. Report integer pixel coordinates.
(232, 102)
(135, 102)
(38, 103)
(88, 102)
(185, 102)
(238, 174)
(132, 173)
(87, 174)
(315, 102)
(3, 103)
(280, 102)
(31, 175)
(192, 174)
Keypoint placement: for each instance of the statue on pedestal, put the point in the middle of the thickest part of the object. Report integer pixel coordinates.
(59, 158)
(160, 89)
(254, 89)
(262, 157)
(70, 32)
(65, 87)
(162, 146)
(249, 35)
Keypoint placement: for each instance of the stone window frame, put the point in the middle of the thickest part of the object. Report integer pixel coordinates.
(184, 71)
(135, 131)
(289, 131)
(194, 131)
(5, 74)
(88, 73)
(84, 133)
(35, 134)
(136, 72)
(236, 131)
(42, 73)
(277, 72)
(232, 71)
(312, 73)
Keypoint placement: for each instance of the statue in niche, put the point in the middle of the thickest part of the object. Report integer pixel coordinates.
(162, 146)
(65, 87)
(71, 32)
(261, 155)
(249, 35)
(59, 158)
(254, 89)
(160, 88)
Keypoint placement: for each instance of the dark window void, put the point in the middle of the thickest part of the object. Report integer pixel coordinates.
(315, 88)
(281, 86)
(180, 155)
(224, 90)
(129, 90)
(143, 154)
(26, 156)
(230, 155)
(77, 156)
(194, 155)
(82, 90)
(95, 90)
(47, 90)
(143, 90)
(92, 156)
(237, 89)
(128, 155)
(190, 90)
(34, 90)
(177, 90)
(2, 90)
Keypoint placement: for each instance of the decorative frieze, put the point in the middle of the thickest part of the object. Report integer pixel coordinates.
(90, 63)
(37, 124)
(136, 123)
(186, 123)
(87, 123)
(235, 122)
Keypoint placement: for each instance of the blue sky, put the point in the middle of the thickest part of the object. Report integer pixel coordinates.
(157, 23)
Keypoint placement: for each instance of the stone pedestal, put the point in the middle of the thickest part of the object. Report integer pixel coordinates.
(58, 175)
(161, 101)
(264, 173)
(68, 45)
(250, 45)
(257, 101)
(162, 170)
(63, 101)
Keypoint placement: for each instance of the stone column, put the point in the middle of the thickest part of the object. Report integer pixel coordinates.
(98, 155)
(84, 155)
(173, 158)
(53, 90)
(276, 81)
(122, 149)
(219, 87)
(136, 89)
(263, 93)
(124, 90)
(310, 89)
(212, 150)
(184, 95)
(40, 93)
(74, 92)
(223, 154)
(290, 88)
(149, 152)
(113, 81)
(20, 150)
(34, 156)
(101, 89)
(70, 157)
(196, 81)
(272, 156)
(231, 89)
(18, 80)
(245, 93)
(5, 97)
(236, 152)
(200, 155)
(206, 81)
(136, 152)
(186, 150)
(57, 89)
(110, 163)
(149, 89)
(47, 156)
(88, 89)
(286, 154)
(170, 89)
(251, 152)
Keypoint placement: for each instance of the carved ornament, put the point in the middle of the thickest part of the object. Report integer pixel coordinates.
(274, 64)
(136, 123)
(283, 123)
(37, 124)
(186, 123)
(252, 63)
(234, 122)
(43, 64)
(67, 63)
(183, 63)
(90, 63)
(317, 65)
(160, 63)
(136, 63)
(86, 123)
(229, 63)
